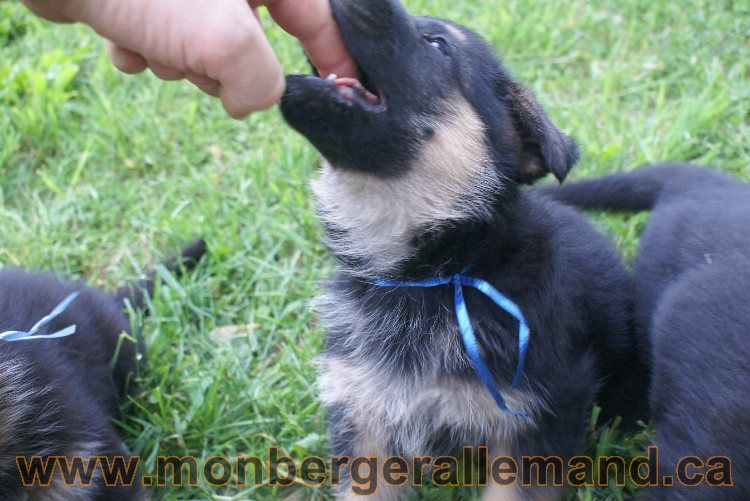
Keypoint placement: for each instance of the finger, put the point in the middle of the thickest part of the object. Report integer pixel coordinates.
(165, 72)
(317, 31)
(251, 77)
(125, 60)
(205, 84)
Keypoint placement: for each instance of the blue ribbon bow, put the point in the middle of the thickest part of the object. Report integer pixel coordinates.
(467, 331)
(25, 336)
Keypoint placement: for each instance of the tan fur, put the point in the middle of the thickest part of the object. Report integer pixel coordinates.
(15, 396)
(377, 401)
(371, 445)
(16, 409)
(450, 181)
(380, 405)
(58, 491)
(515, 492)
(495, 492)
(455, 32)
(384, 493)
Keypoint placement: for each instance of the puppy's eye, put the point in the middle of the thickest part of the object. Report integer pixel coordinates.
(438, 42)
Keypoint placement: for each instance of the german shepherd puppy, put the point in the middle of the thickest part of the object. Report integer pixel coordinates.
(692, 277)
(57, 396)
(424, 158)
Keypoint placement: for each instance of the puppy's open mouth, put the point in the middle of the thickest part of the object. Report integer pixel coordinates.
(350, 91)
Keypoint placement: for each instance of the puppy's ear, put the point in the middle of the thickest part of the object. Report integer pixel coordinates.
(546, 149)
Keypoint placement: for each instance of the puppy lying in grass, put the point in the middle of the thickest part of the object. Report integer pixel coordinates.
(445, 260)
(57, 396)
(692, 306)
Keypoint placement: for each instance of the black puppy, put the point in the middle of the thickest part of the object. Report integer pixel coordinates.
(425, 156)
(692, 277)
(57, 396)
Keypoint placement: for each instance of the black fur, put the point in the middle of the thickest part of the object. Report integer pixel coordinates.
(411, 77)
(567, 278)
(57, 396)
(692, 277)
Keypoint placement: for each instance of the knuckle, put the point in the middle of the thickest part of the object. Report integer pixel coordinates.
(223, 45)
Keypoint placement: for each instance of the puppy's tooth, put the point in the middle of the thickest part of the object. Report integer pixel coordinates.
(332, 77)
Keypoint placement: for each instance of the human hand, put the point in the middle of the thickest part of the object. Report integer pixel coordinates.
(219, 46)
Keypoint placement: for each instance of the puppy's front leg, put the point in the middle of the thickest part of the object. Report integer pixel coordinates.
(496, 491)
(358, 454)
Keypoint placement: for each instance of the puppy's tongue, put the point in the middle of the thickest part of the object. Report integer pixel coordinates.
(353, 83)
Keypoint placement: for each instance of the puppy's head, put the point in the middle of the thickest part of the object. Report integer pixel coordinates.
(433, 131)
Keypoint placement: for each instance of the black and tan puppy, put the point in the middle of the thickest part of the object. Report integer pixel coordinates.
(424, 159)
(692, 277)
(57, 396)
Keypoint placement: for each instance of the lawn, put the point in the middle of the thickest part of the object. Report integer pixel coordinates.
(102, 174)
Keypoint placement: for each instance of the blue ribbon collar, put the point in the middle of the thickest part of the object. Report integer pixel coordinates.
(30, 335)
(459, 280)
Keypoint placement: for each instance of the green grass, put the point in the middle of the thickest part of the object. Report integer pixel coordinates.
(102, 174)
